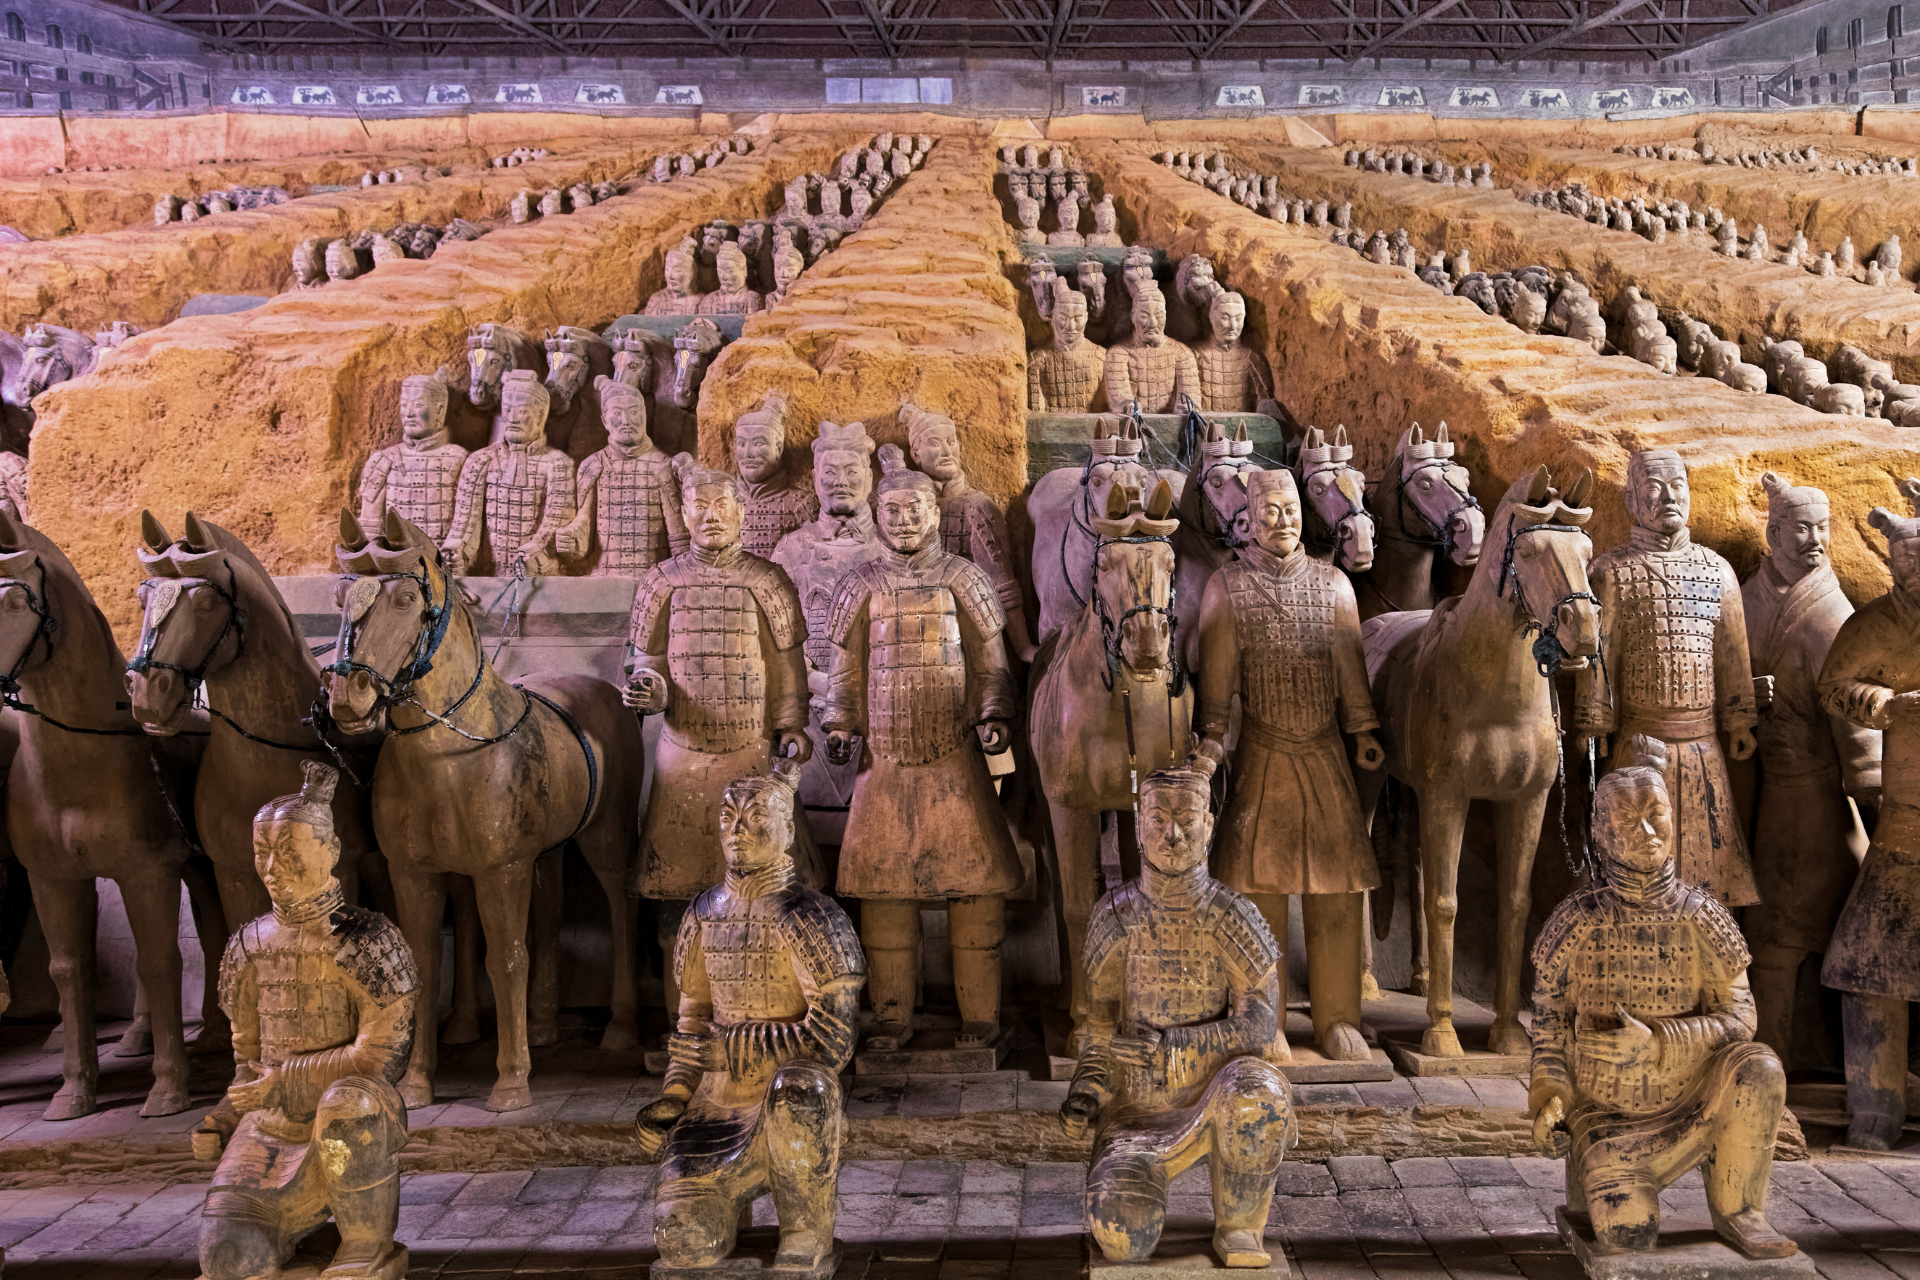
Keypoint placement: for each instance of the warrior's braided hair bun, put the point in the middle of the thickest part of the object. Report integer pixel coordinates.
(312, 805)
(1193, 774)
(778, 784)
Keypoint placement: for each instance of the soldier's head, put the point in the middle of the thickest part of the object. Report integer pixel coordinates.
(730, 266)
(623, 410)
(1798, 528)
(1104, 217)
(423, 410)
(1174, 816)
(523, 407)
(907, 506)
(843, 468)
(1069, 317)
(935, 441)
(757, 819)
(1273, 510)
(760, 438)
(682, 266)
(1903, 539)
(1227, 314)
(1657, 495)
(710, 504)
(1149, 315)
(1633, 824)
(294, 847)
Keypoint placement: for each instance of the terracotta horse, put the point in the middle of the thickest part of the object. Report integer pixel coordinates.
(575, 357)
(47, 356)
(1339, 527)
(1110, 700)
(1213, 521)
(669, 371)
(493, 350)
(90, 796)
(1424, 511)
(1060, 509)
(480, 777)
(1465, 695)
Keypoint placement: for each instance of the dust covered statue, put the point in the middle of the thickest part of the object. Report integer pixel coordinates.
(321, 995)
(1643, 1040)
(517, 496)
(1183, 997)
(419, 476)
(769, 974)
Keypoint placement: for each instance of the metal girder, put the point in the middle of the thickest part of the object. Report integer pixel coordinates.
(518, 23)
(1576, 29)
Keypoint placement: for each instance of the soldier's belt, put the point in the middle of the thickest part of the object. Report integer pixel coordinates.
(1274, 738)
(1673, 724)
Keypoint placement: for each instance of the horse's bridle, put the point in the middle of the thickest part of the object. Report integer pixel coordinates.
(1110, 638)
(143, 660)
(1228, 521)
(1442, 533)
(43, 634)
(1548, 653)
(400, 688)
(1353, 508)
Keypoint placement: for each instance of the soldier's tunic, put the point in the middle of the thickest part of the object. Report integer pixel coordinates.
(774, 969)
(1810, 762)
(324, 994)
(1875, 949)
(973, 527)
(1157, 376)
(918, 662)
(420, 484)
(743, 303)
(775, 508)
(665, 302)
(631, 507)
(1675, 640)
(725, 630)
(1287, 633)
(1069, 380)
(517, 494)
(13, 485)
(1233, 379)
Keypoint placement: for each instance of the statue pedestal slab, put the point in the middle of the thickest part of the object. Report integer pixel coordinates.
(1310, 1066)
(314, 1254)
(1688, 1250)
(753, 1256)
(1186, 1250)
(932, 1052)
(1477, 1061)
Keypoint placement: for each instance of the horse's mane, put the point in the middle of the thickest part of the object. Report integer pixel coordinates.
(235, 549)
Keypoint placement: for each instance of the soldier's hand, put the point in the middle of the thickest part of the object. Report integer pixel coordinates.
(1077, 1113)
(1548, 1116)
(207, 1144)
(1900, 704)
(567, 542)
(256, 1094)
(1631, 1044)
(995, 737)
(645, 692)
(701, 1052)
(1367, 751)
(793, 744)
(1763, 693)
(655, 1121)
(840, 746)
(1742, 744)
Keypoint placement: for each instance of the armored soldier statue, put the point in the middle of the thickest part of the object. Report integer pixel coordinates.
(1234, 378)
(13, 485)
(1281, 629)
(1183, 998)
(321, 995)
(1068, 375)
(972, 525)
(419, 476)
(629, 495)
(1675, 639)
(519, 492)
(1872, 679)
(733, 297)
(777, 501)
(681, 296)
(1643, 1038)
(769, 972)
(920, 672)
(1811, 761)
(1149, 368)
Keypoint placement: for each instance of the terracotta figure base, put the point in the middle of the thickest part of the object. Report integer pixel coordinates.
(1185, 1249)
(932, 1052)
(315, 1254)
(1476, 1061)
(753, 1256)
(1689, 1249)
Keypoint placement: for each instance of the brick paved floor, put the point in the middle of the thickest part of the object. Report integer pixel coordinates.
(1358, 1217)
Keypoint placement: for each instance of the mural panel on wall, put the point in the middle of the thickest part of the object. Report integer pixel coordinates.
(1240, 95)
(1321, 95)
(1546, 100)
(314, 95)
(677, 95)
(1672, 99)
(444, 95)
(1611, 100)
(378, 95)
(1478, 96)
(253, 95)
(518, 93)
(1402, 96)
(601, 95)
(1103, 95)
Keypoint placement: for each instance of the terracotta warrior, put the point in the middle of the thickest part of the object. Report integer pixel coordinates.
(1150, 369)
(519, 492)
(1183, 997)
(1106, 222)
(1234, 378)
(920, 672)
(1027, 229)
(733, 297)
(1872, 679)
(777, 501)
(13, 486)
(1675, 637)
(1282, 630)
(1643, 1038)
(321, 995)
(1068, 375)
(629, 497)
(972, 525)
(681, 297)
(1067, 215)
(419, 476)
(769, 973)
(1811, 761)
(842, 537)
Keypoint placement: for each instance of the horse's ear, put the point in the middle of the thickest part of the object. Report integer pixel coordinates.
(1580, 490)
(1340, 436)
(199, 537)
(1539, 485)
(10, 536)
(352, 536)
(1415, 436)
(1315, 438)
(395, 532)
(1216, 431)
(1117, 502)
(1132, 430)
(1440, 436)
(1161, 502)
(1241, 434)
(1102, 428)
(151, 532)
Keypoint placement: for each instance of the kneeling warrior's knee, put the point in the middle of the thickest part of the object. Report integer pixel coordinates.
(693, 1230)
(803, 1091)
(236, 1234)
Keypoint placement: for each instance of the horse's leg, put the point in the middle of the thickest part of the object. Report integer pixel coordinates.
(137, 1040)
(68, 911)
(505, 898)
(421, 896)
(1518, 838)
(1076, 845)
(153, 912)
(210, 926)
(543, 960)
(463, 1020)
(1443, 822)
(623, 1029)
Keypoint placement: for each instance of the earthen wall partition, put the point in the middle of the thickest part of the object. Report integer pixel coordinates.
(1373, 348)
(261, 421)
(915, 307)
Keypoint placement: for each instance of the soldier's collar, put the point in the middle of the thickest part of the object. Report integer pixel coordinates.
(1656, 888)
(916, 559)
(859, 524)
(426, 444)
(1261, 558)
(315, 910)
(1173, 889)
(948, 490)
(727, 555)
(1653, 540)
(771, 878)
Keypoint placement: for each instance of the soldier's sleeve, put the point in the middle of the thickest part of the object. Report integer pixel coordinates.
(1219, 657)
(786, 680)
(695, 1015)
(373, 489)
(1553, 1011)
(1852, 683)
(378, 967)
(990, 692)
(469, 509)
(587, 498)
(846, 703)
(993, 553)
(558, 509)
(647, 624)
(1350, 662)
(1859, 752)
(1186, 376)
(1036, 395)
(677, 536)
(831, 969)
(239, 1000)
(1732, 662)
(1594, 709)
(1105, 958)
(1727, 1015)
(1119, 380)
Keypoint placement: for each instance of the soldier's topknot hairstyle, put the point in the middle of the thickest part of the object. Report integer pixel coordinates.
(1194, 774)
(312, 805)
(777, 786)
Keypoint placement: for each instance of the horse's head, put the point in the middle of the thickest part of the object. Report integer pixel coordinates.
(46, 362)
(1219, 483)
(693, 350)
(1545, 550)
(1336, 492)
(1440, 491)
(27, 624)
(633, 357)
(192, 622)
(567, 367)
(1133, 572)
(487, 365)
(394, 612)
(1115, 465)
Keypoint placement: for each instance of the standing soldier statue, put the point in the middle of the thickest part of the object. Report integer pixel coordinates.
(321, 995)
(769, 973)
(1234, 378)
(1811, 760)
(419, 476)
(777, 500)
(1150, 369)
(1281, 629)
(920, 671)
(1675, 641)
(629, 496)
(1068, 375)
(519, 492)
(1183, 998)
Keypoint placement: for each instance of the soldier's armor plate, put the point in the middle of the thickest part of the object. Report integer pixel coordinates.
(714, 657)
(1154, 374)
(973, 515)
(750, 966)
(1665, 610)
(1071, 380)
(917, 673)
(817, 564)
(665, 302)
(303, 1001)
(630, 512)
(1286, 633)
(772, 515)
(1228, 382)
(514, 511)
(422, 486)
(745, 302)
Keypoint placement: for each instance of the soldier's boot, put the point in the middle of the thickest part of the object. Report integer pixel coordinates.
(1127, 1204)
(977, 927)
(694, 1226)
(1250, 1114)
(1624, 1206)
(367, 1219)
(806, 1128)
(888, 930)
(1741, 1161)
(239, 1235)
(1273, 909)
(1875, 1031)
(1335, 960)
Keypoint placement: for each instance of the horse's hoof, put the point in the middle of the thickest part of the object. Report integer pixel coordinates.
(543, 1033)
(69, 1104)
(1440, 1041)
(1344, 1043)
(1369, 987)
(133, 1046)
(416, 1089)
(461, 1028)
(620, 1035)
(166, 1100)
(1509, 1037)
(509, 1097)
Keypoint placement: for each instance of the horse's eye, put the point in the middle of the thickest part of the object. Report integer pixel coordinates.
(202, 600)
(404, 599)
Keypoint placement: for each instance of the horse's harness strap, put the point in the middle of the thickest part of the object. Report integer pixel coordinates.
(143, 660)
(586, 749)
(1110, 628)
(1442, 534)
(399, 688)
(1548, 653)
(43, 633)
